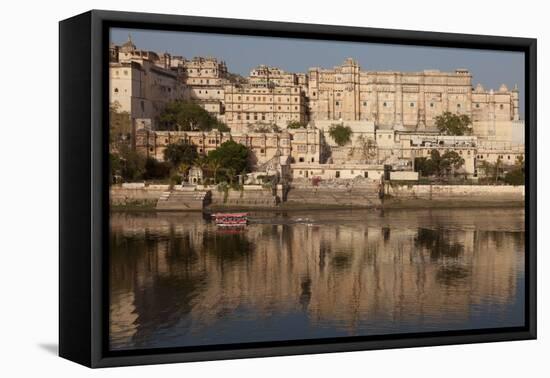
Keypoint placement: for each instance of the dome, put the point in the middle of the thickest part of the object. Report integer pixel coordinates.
(128, 45)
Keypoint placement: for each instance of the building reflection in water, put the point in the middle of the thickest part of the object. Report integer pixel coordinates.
(175, 280)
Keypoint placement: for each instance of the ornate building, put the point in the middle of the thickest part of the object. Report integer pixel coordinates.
(301, 145)
(407, 100)
(142, 82)
(249, 104)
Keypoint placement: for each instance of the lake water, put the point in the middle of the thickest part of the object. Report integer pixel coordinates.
(177, 280)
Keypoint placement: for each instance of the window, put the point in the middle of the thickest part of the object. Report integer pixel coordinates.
(477, 106)
(116, 90)
(301, 160)
(337, 174)
(313, 160)
(261, 150)
(411, 104)
(431, 104)
(364, 103)
(501, 106)
(458, 106)
(337, 103)
(385, 104)
(366, 174)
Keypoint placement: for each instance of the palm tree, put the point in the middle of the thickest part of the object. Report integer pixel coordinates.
(214, 165)
(201, 162)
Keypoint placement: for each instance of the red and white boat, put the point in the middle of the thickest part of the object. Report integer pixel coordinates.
(230, 219)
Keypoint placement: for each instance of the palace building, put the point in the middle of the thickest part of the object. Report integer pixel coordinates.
(143, 82)
(407, 100)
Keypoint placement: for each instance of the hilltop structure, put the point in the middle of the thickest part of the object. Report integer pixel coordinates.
(143, 81)
(391, 114)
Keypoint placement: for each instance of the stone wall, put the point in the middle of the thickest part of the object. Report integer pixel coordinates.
(486, 193)
(144, 195)
(357, 192)
(250, 196)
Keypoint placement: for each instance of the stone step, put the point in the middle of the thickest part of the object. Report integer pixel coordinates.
(180, 200)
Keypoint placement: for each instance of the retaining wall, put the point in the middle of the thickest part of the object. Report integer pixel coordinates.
(456, 192)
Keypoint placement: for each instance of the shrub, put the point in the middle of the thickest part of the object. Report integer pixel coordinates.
(341, 134)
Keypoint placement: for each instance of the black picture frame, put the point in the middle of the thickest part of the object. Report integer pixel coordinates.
(84, 189)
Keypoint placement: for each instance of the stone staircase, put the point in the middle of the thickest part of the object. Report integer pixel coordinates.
(362, 193)
(183, 200)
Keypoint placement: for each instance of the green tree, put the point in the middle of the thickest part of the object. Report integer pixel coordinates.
(426, 167)
(453, 124)
(340, 133)
(120, 125)
(155, 169)
(188, 116)
(127, 164)
(296, 125)
(214, 165)
(438, 164)
(231, 158)
(179, 153)
(516, 176)
(450, 162)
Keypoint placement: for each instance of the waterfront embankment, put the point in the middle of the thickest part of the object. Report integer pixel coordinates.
(146, 197)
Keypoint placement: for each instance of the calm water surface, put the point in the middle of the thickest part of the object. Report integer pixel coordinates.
(176, 280)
